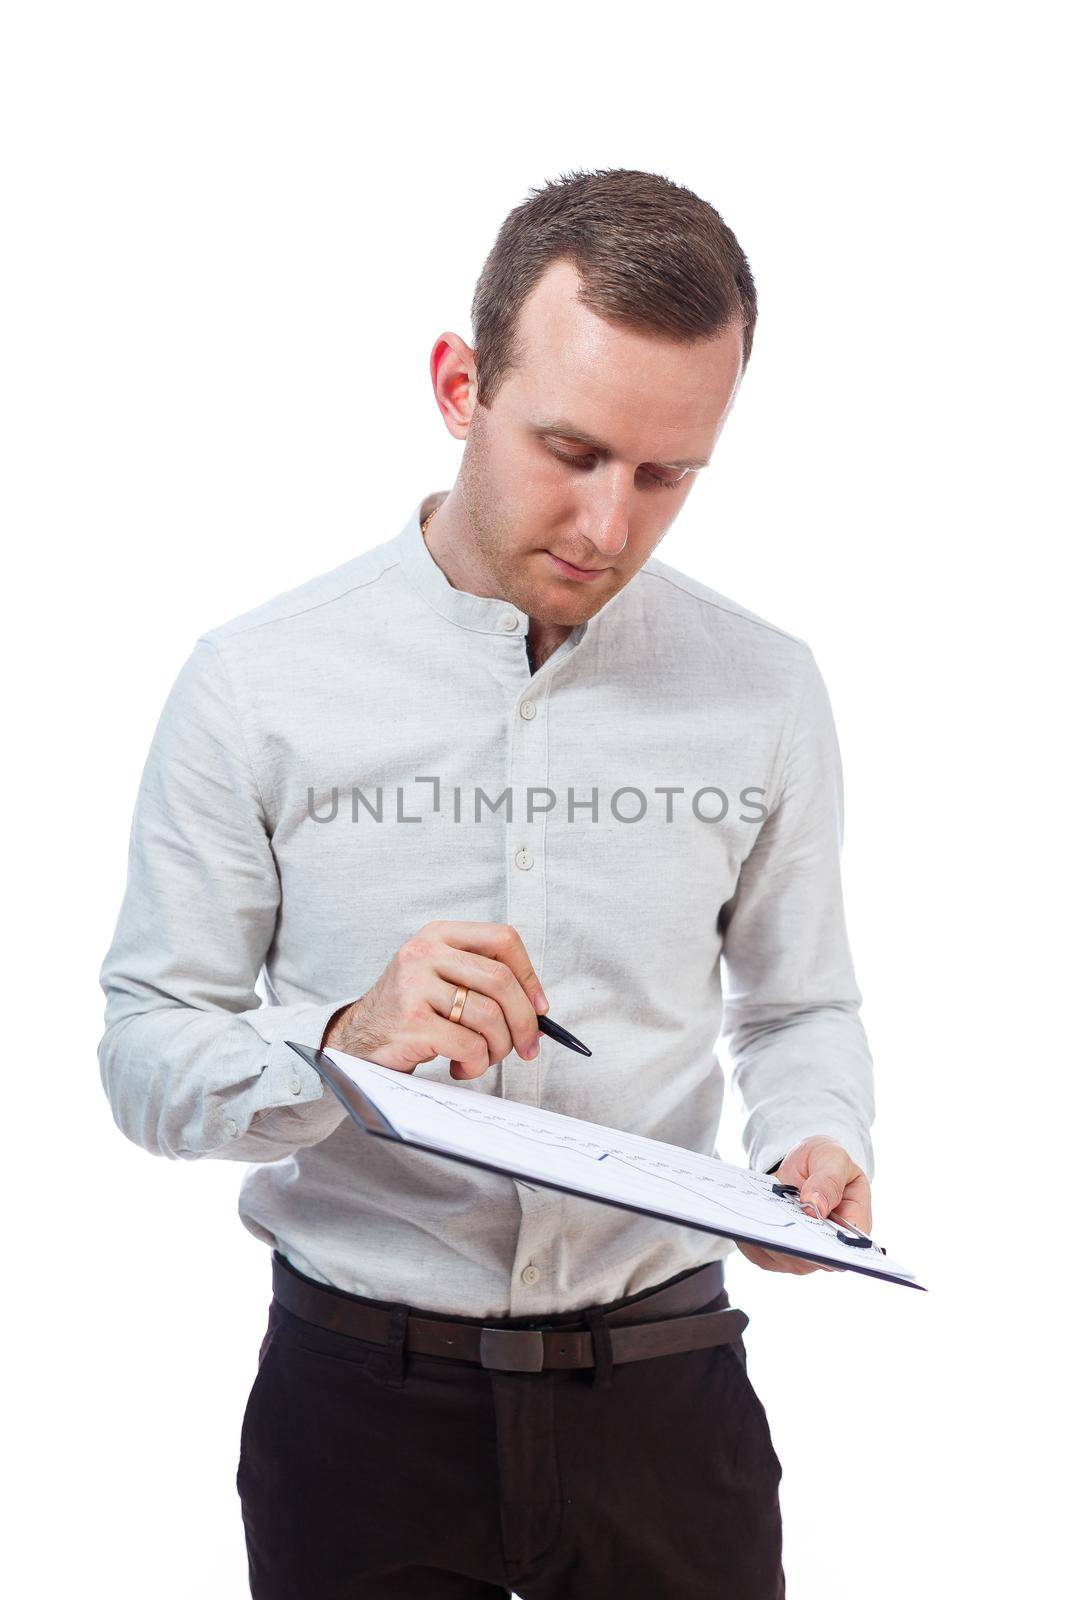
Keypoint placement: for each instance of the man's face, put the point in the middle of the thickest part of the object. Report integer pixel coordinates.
(535, 490)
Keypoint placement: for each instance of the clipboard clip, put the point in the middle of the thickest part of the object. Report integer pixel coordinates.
(854, 1236)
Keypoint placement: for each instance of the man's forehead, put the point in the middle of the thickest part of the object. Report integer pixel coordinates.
(614, 388)
(617, 411)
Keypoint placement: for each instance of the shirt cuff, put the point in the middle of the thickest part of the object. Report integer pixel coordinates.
(289, 1106)
(768, 1147)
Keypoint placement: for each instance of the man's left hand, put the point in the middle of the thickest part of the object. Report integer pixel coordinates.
(826, 1175)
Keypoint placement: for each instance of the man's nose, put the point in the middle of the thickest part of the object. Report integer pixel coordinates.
(608, 520)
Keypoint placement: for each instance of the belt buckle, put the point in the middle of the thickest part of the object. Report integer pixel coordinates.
(512, 1350)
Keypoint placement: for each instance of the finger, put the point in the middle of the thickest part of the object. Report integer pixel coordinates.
(467, 1051)
(480, 1013)
(426, 1034)
(855, 1204)
(756, 1254)
(795, 1264)
(497, 980)
(501, 942)
(774, 1260)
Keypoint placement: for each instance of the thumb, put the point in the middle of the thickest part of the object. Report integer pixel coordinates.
(828, 1174)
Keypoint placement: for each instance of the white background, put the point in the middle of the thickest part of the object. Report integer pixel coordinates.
(233, 233)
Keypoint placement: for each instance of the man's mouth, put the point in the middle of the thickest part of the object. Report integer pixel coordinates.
(569, 570)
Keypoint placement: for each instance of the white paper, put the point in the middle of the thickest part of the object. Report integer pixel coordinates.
(607, 1164)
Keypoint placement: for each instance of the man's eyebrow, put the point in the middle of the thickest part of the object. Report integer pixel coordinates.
(567, 430)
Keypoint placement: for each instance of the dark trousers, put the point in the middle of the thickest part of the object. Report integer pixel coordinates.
(366, 1471)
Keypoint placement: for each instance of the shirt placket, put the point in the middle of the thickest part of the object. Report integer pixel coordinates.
(535, 1265)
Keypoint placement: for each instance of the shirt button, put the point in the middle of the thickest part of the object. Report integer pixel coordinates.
(231, 1127)
(528, 710)
(530, 1275)
(294, 1085)
(524, 858)
(509, 621)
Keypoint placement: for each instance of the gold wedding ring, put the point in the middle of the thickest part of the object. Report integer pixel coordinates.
(458, 1003)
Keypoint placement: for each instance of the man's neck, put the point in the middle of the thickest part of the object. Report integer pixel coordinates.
(543, 639)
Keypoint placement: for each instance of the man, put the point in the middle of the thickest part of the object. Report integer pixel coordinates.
(507, 759)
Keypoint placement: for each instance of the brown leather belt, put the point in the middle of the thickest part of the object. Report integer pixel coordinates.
(552, 1343)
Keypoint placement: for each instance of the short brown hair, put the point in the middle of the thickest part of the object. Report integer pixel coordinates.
(651, 254)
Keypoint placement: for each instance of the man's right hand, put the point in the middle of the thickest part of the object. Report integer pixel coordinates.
(403, 1019)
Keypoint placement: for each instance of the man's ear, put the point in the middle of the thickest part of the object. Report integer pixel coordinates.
(453, 374)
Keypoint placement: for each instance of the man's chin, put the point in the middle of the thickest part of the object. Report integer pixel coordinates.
(569, 611)
(564, 602)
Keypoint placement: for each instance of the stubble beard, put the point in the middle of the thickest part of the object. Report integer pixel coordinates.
(494, 533)
(491, 528)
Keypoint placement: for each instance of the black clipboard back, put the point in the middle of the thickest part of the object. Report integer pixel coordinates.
(351, 1096)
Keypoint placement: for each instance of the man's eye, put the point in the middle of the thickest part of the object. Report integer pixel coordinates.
(573, 461)
(586, 463)
(667, 483)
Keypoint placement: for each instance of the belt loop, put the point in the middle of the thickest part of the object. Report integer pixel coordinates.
(601, 1348)
(392, 1358)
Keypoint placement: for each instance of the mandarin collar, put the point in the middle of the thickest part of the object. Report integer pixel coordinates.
(479, 612)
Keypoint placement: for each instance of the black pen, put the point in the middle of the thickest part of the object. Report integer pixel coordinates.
(561, 1035)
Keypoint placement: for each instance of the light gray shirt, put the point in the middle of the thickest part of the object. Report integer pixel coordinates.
(657, 810)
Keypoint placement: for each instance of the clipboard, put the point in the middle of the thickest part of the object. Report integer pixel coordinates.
(827, 1241)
